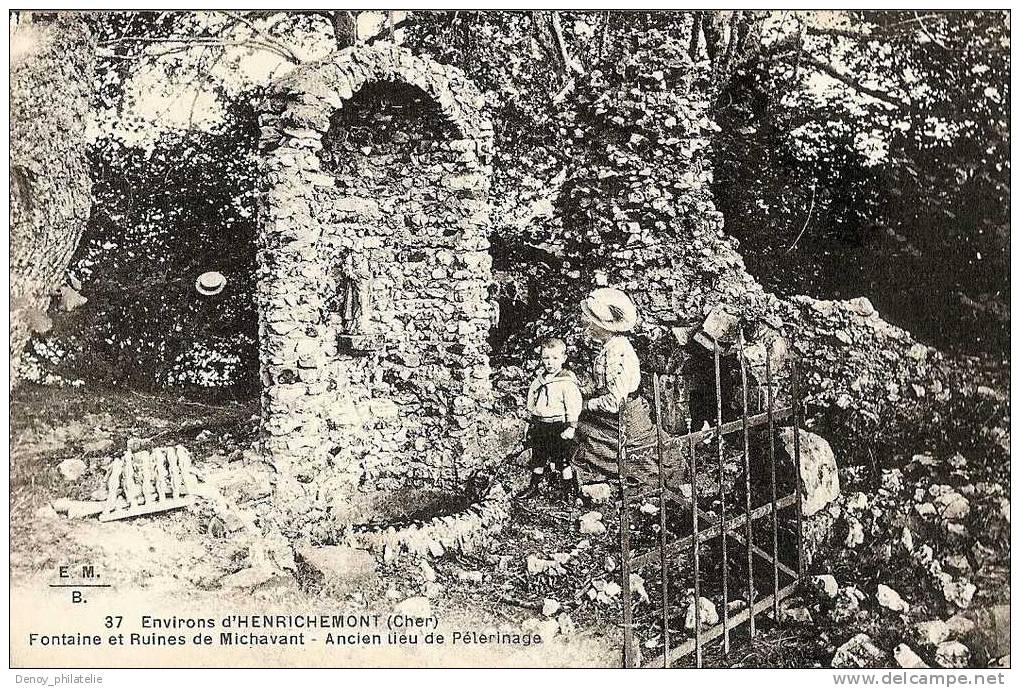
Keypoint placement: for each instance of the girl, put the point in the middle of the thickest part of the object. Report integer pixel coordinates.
(607, 315)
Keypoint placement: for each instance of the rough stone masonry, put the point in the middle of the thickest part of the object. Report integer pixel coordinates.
(374, 279)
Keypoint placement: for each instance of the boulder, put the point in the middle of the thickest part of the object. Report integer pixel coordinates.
(468, 576)
(637, 587)
(957, 563)
(736, 606)
(71, 298)
(826, 585)
(591, 523)
(864, 308)
(419, 607)
(959, 592)
(720, 326)
(959, 626)
(952, 506)
(708, 614)
(952, 655)
(907, 658)
(340, 565)
(72, 469)
(436, 548)
(932, 632)
(907, 539)
(550, 606)
(890, 599)
(797, 614)
(818, 470)
(604, 591)
(428, 573)
(597, 492)
(858, 653)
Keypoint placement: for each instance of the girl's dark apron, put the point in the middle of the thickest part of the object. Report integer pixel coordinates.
(598, 438)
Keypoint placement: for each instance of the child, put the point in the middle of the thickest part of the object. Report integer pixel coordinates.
(554, 404)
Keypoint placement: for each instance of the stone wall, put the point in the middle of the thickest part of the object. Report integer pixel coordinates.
(374, 279)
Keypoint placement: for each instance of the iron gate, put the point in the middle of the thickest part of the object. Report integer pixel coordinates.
(727, 522)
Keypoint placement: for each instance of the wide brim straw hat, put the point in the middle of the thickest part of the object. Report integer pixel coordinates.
(210, 283)
(610, 309)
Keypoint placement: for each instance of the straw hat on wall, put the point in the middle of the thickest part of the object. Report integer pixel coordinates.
(210, 283)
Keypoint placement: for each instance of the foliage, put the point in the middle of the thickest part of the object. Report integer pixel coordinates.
(161, 218)
(599, 148)
(891, 183)
(851, 153)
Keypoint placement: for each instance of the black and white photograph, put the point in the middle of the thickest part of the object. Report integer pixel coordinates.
(531, 338)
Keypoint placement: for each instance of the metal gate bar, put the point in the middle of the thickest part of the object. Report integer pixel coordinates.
(754, 421)
(712, 531)
(696, 535)
(772, 471)
(749, 544)
(711, 634)
(722, 504)
(662, 527)
(796, 451)
(625, 564)
(720, 525)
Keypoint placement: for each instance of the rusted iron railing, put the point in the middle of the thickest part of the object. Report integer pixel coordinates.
(729, 522)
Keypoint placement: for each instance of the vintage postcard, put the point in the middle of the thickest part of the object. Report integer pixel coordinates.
(551, 338)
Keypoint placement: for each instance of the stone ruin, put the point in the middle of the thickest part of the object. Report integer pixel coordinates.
(374, 282)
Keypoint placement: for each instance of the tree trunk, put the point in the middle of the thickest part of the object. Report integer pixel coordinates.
(345, 28)
(52, 62)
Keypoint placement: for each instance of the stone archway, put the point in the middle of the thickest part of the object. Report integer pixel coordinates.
(374, 279)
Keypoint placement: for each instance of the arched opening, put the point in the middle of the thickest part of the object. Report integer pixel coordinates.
(400, 288)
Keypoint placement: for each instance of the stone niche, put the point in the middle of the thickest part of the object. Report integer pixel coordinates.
(374, 283)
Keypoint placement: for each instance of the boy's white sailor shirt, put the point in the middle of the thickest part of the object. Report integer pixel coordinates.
(555, 398)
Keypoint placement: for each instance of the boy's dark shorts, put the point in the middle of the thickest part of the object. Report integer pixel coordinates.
(547, 447)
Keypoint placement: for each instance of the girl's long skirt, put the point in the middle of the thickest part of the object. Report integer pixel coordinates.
(598, 437)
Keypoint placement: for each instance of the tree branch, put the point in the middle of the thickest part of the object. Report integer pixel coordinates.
(187, 42)
(266, 38)
(731, 45)
(345, 27)
(811, 209)
(569, 63)
(386, 32)
(929, 34)
(839, 33)
(827, 68)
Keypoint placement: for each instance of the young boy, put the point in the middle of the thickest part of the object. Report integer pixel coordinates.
(554, 404)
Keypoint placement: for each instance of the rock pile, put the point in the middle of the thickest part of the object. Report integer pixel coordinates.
(464, 531)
